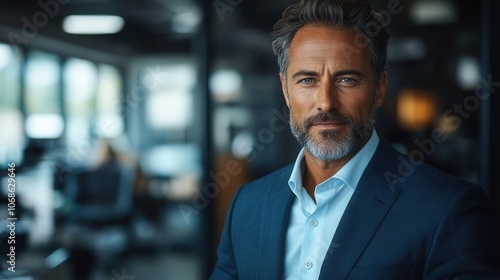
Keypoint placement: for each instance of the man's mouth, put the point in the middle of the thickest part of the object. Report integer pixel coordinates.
(328, 125)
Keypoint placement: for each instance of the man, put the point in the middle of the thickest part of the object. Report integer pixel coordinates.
(343, 210)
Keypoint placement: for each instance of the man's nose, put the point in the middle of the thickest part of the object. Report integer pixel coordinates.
(327, 97)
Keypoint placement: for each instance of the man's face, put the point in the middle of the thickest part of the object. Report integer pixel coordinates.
(331, 92)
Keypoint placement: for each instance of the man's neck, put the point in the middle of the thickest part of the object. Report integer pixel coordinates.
(317, 171)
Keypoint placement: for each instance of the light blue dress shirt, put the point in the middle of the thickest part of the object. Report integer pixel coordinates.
(312, 225)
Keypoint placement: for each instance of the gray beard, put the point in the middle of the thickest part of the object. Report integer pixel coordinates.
(330, 147)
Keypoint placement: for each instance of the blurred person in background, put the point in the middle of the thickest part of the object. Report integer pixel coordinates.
(96, 230)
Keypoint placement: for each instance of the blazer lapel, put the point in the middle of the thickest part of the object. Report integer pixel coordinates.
(272, 228)
(368, 206)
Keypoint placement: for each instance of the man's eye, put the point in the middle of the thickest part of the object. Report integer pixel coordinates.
(348, 81)
(306, 81)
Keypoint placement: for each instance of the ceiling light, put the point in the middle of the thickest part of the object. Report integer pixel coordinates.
(86, 24)
(468, 72)
(434, 12)
(401, 49)
(186, 22)
(226, 85)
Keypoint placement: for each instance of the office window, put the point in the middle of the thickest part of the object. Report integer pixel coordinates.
(80, 84)
(109, 123)
(172, 155)
(11, 127)
(170, 98)
(43, 108)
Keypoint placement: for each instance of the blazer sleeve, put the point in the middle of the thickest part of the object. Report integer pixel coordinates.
(466, 240)
(225, 267)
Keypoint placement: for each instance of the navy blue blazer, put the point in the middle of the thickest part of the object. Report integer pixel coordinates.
(405, 220)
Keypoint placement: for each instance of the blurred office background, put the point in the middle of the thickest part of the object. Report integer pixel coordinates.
(130, 136)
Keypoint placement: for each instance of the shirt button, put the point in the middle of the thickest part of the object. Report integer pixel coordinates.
(308, 264)
(314, 222)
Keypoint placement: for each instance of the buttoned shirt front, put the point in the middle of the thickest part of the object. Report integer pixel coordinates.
(312, 225)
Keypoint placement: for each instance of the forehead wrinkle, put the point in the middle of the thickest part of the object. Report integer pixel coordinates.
(340, 49)
(318, 49)
(322, 49)
(312, 61)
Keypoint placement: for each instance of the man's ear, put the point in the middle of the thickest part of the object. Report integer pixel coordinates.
(381, 90)
(284, 89)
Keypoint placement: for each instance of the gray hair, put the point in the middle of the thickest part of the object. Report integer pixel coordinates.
(356, 14)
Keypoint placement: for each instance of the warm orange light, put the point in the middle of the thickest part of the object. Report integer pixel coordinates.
(416, 109)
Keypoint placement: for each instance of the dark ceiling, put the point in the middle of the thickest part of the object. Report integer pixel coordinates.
(148, 23)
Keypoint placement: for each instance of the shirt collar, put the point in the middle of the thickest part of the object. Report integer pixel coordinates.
(350, 173)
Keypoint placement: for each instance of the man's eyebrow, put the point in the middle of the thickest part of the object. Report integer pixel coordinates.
(336, 74)
(304, 73)
(348, 72)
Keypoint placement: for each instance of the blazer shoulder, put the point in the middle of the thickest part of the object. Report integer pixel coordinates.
(411, 173)
(279, 176)
(276, 179)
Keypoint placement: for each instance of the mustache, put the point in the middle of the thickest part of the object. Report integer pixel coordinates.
(326, 117)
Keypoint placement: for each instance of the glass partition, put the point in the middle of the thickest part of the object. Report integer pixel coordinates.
(11, 132)
(42, 101)
(80, 84)
(109, 122)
